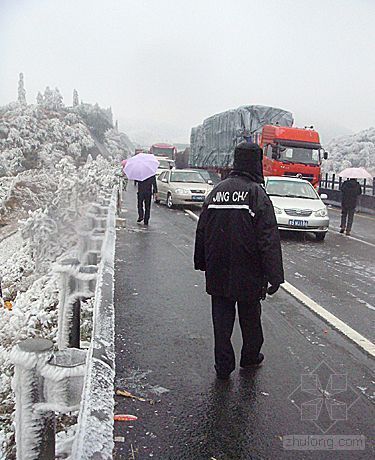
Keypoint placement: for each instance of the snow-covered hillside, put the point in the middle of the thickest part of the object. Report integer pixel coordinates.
(52, 166)
(353, 150)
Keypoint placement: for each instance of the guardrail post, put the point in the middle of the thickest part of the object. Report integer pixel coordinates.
(67, 269)
(373, 186)
(326, 180)
(364, 186)
(340, 182)
(35, 430)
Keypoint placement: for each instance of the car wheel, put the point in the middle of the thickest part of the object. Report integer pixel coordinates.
(169, 201)
(320, 236)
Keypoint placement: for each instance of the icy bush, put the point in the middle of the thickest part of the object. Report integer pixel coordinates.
(118, 144)
(48, 232)
(36, 136)
(352, 151)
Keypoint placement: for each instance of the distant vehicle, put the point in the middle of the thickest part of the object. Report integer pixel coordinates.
(182, 187)
(288, 151)
(297, 205)
(293, 152)
(164, 150)
(164, 163)
(210, 177)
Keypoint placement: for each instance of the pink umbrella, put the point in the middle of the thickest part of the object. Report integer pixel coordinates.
(141, 166)
(355, 173)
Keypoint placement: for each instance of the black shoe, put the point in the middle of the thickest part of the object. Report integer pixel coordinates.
(221, 376)
(348, 233)
(342, 230)
(139, 219)
(145, 223)
(255, 363)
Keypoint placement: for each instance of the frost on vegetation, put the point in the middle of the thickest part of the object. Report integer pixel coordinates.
(48, 233)
(49, 171)
(356, 150)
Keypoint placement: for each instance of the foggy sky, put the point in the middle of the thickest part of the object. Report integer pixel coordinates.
(163, 66)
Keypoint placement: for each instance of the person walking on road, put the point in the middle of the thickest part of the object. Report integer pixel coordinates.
(146, 189)
(350, 191)
(238, 247)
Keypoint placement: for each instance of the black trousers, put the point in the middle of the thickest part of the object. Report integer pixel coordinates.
(223, 316)
(144, 198)
(347, 216)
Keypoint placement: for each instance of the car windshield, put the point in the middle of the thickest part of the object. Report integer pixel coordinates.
(291, 189)
(164, 164)
(204, 174)
(298, 155)
(187, 176)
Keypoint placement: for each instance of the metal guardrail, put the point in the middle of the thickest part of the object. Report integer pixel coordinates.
(94, 436)
(334, 182)
(330, 185)
(48, 381)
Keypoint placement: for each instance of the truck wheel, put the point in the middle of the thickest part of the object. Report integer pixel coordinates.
(320, 236)
(169, 201)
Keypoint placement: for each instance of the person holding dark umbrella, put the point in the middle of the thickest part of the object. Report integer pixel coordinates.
(238, 246)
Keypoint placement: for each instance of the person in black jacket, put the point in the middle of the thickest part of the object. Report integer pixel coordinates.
(350, 191)
(145, 190)
(238, 246)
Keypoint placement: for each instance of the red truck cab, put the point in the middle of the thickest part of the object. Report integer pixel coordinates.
(164, 150)
(292, 151)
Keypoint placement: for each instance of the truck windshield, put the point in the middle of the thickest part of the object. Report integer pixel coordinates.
(298, 155)
(162, 152)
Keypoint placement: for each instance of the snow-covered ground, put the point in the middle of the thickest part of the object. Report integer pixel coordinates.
(9, 246)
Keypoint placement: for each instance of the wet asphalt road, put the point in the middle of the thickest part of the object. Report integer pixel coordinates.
(164, 354)
(338, 273)
(363, 225)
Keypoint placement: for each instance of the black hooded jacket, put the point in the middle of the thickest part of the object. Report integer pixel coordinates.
(237, 241)
(350, 190)
(148, 186)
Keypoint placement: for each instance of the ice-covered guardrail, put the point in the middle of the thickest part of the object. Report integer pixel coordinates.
(94, 435)
(69, 379)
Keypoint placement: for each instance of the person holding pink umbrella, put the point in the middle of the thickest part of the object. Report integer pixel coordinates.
(142, 168)
(350, 191)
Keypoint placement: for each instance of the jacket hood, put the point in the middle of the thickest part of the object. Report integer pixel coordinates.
(248, 159)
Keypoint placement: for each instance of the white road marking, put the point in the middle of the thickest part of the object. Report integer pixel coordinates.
(335, 322)
(337, 230)
(339, 325)
(191, 214)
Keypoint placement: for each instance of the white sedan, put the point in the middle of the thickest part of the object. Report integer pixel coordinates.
(182, 187)
(297, 205)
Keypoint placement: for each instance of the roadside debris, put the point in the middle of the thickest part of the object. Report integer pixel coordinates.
(125, 418)
(127, 394)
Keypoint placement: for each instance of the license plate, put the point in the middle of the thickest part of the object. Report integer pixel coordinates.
(197, 198)
(298, 223)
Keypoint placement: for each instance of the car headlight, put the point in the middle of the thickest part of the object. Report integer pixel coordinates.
(182, 191)
(277, 210)
(321, 212)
